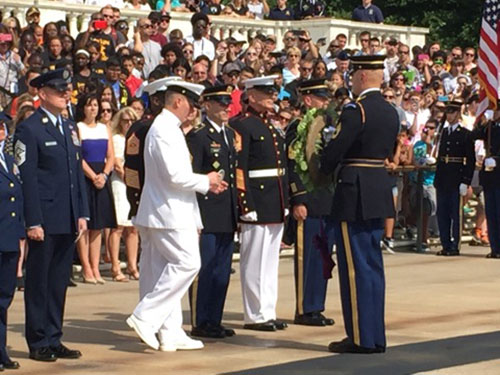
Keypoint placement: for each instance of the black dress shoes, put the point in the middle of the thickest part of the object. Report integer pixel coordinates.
(43, 355)
(279, 324)
(1, 367)
(347, 346)
(65, 353)
(228, 332)
(267, 326)
(208, 331)
(448, 253)
(313, 319)
(8, 364)
(493, 256)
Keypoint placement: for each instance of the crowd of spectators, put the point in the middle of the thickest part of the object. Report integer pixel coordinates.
(109, 72)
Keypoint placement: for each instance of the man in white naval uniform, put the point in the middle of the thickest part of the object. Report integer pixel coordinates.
(168, 220)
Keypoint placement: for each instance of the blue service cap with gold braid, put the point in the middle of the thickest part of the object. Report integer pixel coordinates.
(56, 79)
(316, 87)
(368, 62)
(220, 94)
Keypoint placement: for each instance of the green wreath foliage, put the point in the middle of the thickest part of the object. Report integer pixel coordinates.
(299, 147)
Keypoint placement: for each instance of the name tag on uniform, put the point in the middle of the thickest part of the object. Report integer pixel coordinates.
(51, 143)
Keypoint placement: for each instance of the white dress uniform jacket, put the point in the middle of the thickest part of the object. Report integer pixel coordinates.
(168, 199)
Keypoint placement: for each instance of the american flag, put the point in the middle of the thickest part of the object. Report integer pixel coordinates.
(488, 63)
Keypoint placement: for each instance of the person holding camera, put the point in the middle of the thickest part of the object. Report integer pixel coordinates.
(95, 33)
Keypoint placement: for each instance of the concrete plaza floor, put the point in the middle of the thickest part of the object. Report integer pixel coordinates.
(442, 317)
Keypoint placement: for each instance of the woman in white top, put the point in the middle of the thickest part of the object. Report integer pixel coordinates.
(120, 124)
(258, 8)
(137, 5)
(291, 71)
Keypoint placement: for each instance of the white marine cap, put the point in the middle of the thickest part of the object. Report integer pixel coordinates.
(159, 84)
(266, 83)
(192, 91)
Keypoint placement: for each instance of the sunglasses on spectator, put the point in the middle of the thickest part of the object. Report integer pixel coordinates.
(399, 79)
(293, 55)
(389, 96)
(127, 119)
(404, 52)
(107, 110)
(147, 26)
(288, 39)
(284, 118)
(233, 74)
(470, 54)
(430, 127)
(306, 69)
(456, 55)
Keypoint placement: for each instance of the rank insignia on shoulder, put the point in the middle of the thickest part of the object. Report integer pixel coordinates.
(20, 153)
(237, 142)
(133, 145)
(198, 127)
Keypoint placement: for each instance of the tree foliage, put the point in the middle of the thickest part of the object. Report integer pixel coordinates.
(451, 22)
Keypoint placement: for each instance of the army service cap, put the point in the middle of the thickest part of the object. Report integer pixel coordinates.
(220, 94)
(56, 79)
(368, 62)
(315, 87)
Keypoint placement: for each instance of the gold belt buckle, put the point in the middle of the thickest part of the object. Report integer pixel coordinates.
(280, 172)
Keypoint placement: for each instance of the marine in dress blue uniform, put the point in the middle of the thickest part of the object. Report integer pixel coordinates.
(489, 178)
(310, 211)
(363, 139)
(212, 147)
(12, 229)
(455, 167)
(48, 155)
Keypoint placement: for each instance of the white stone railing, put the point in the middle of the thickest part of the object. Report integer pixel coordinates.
(78, 16)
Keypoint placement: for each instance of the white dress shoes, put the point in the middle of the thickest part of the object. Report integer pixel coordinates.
(144, 332)
(181, 342)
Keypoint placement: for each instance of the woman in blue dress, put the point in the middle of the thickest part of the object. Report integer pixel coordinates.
(98, 161)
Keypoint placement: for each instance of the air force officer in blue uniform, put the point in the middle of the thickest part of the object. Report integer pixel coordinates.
(12, 229)
(47, 152)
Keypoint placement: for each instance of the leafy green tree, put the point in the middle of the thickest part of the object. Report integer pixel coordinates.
(451, 22)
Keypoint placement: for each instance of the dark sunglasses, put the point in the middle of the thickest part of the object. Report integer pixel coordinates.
(107, 110)
(389, 96)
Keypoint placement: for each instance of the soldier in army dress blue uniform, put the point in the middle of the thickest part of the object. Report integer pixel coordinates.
(489, 177)
(47, 152)
(310, 210)
(455, 167)
(212, 146)
(364, 137)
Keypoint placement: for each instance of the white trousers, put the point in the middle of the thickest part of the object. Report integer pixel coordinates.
(170, 260)
(259, 259)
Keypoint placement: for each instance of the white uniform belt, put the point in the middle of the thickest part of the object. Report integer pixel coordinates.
(263, 173)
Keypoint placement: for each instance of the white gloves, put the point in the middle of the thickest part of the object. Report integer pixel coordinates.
(463, 189)
(490, 163)
(287, 211)
(430, 160)
(250, 217)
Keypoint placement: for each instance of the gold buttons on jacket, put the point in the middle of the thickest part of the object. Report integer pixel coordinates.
(11, 185)
(12, 199)
(13, 214)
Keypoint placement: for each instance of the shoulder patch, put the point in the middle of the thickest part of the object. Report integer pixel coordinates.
(199, 127)
(20, 153)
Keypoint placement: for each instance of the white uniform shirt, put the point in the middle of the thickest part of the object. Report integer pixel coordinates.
(168, 199)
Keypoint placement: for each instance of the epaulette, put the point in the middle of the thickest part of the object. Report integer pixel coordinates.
(198, 127)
